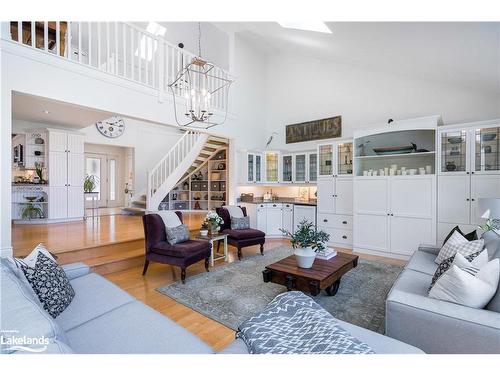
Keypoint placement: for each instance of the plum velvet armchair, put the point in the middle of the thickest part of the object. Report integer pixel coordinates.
(181, 254)
(240, 238)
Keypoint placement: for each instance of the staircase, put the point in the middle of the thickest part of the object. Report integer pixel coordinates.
(137, 207)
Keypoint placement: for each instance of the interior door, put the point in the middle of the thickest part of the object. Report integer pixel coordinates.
(326, 200)
(483, 186)
(95, 165)
(453, 198)
(343, 195)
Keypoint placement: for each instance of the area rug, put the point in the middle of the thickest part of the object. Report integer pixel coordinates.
(232, 293)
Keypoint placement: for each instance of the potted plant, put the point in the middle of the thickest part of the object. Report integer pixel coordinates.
(38, 179)
(90, 183)
(306, 241)
(204, 229)
(31, 211)
(213, 222)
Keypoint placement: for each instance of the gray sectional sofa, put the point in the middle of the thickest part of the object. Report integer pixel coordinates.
(102, 318)
(438, 326)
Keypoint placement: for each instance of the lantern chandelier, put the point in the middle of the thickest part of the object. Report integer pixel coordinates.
(202, 87)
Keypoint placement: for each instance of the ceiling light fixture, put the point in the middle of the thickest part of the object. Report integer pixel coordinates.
(197, 82)
(317, 26)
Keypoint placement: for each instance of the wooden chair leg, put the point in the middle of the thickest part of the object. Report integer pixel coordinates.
(261, 249)
(146, 265)
(183, 275)
(207, 261)
(239, 253)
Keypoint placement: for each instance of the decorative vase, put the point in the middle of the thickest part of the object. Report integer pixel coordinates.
(204, 232)
(305, 257)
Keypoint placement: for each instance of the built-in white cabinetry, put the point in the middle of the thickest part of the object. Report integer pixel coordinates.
(287, 217)
(66, 174)
(274, 219)
(253, 167)
(304, 212)
(469, 169)
(262, 217)
(272, 167)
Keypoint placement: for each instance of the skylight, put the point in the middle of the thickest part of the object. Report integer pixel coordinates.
(145, 51)
(317, 26)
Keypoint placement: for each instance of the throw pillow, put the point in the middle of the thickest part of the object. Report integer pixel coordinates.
(50, 283)
(234, 211)
(469, 287)
(178, 234)
(476, 260)
(170, 219)
(240, 222)
(31, 259)
(472, 236)
(458, 244)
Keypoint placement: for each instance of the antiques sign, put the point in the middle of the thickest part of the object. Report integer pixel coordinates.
(314, 130)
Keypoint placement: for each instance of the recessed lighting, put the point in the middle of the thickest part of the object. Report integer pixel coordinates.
(317, 26)
(46, 112)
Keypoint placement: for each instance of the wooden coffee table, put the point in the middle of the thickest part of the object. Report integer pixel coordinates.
(324, 274)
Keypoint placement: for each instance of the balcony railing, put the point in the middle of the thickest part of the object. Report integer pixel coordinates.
(117, 48)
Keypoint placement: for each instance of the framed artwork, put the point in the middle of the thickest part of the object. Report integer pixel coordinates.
(314, 130)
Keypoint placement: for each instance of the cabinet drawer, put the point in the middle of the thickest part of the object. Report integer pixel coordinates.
(338, 235)
(335, 221)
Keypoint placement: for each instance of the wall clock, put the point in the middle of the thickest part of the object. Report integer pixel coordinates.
(111, 128)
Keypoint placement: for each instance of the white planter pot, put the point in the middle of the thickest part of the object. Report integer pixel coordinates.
(305, 257)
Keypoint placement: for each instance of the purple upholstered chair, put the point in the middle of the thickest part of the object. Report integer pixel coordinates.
(181, 255)
(240, 238)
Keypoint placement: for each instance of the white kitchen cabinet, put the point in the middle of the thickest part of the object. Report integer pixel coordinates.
(287, 169)
(274, 220)
(75, 202)
(253, 167)
(300, 168)
(482, 186)
(312, 167)
(271, 167)
(326, 195)
(287, 217)
(343, 195)
(304, 212)
(76, 173)
(262, 218)
(453, 199)
(58, 202)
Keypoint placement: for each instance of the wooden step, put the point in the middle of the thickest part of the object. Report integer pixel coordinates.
(103, 250)
(134, 211)
(115, 262)
(141, 203)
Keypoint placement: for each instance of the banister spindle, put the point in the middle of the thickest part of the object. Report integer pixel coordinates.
(89, 52)
(33, 34)
(46, 36)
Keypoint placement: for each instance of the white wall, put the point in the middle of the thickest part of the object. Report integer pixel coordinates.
(301, 89)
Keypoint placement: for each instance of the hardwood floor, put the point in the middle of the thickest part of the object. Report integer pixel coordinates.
(113, 229)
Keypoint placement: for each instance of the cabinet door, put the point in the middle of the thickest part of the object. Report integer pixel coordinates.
(58, 168)
(326, 200)
(344, 159)
(287, 217)
(287, 168)
(75, 202)
(272, 167)
(371, 232)
(453, 148)
(371, 195)
(75, 143)
(312, 167)
(76, 171)
(262, 219)
(58, 202)
(483, 186)
(453, 199)
(250, 168)
(258, 168)
(304, 213)
(412, 196)
(343, 195)
(325, 160)
(58, 141)
(407, 233)
(274, 223)
(486, 156)
(300, 168)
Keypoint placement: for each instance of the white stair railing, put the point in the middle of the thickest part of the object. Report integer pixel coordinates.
(118, 48)
(165, 174)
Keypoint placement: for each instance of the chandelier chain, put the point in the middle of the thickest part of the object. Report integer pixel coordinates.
(199, 39)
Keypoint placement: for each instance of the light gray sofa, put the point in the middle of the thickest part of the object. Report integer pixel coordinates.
(102, 318)
(438, 326)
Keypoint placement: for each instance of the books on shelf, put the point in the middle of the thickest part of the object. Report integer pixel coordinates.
(329, 253)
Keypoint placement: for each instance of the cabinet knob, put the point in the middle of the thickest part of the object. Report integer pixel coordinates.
(467, 172)
(325, 221)
(392, 214)
(472, 199)
(344, 222)
(467, 199)
(472, 172)
(344, 237)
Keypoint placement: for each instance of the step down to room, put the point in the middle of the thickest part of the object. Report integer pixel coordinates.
(116, 262)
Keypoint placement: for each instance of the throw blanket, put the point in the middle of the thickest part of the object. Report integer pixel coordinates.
(294, 324)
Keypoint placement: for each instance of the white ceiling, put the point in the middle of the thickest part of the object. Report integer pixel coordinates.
(466, 54)
(31, 108)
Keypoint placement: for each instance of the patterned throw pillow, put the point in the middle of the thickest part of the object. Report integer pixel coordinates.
(459, 244)
(446, 264)
(472, 236)
(50, 283)
(177, 234)
(240, 222)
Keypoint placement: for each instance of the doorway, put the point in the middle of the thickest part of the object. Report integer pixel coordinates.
(104, 168)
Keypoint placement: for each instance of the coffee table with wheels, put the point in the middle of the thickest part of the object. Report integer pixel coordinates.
(324, 274)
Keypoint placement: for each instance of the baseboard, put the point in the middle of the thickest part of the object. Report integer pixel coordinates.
(381, 254)
(6, 252)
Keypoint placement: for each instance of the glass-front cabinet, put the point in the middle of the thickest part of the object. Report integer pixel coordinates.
(487, 149)
(325, 155)
(287, 169)
(313, 167)
(300, 172)
(454, 146)
(344, 159)
(254, 167)
(271, 168)
(335, 159)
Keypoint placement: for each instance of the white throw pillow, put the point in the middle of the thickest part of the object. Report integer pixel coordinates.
(478, 262)
(458, 244)
(234, 211)
(469, 287)
(170, 218)
(30, 260)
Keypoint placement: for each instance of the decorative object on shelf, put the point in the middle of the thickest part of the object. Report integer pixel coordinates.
(199, 177)
(185, 186)
(451, 166)
(90, 183)
(362, 151)
(204, 229)
(38, 179)
(487, 137)
(31, 211)
(389, 150)
(197, 205)
(314, 130)
(221, 166)
(39, 141)
(246, 197)
(38, 153)
(174, 196)
(196, 82)
(183, 196)
(214, 222)
(306, 241)
(215, 176)
(455, 140)
(487, 149)
(111, 128)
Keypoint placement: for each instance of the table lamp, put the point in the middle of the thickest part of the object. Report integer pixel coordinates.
(490, 209)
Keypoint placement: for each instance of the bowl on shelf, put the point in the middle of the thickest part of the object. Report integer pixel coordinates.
(389, 150)
(30, 199)
(455, 140)
(488, 137)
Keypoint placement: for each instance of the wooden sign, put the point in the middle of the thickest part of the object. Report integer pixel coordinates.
(314, 130)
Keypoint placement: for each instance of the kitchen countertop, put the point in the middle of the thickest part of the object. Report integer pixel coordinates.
(310, 202)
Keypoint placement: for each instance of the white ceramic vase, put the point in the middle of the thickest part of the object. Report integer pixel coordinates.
(305, 257)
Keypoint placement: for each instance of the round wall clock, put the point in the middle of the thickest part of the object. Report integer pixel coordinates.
(111, 128)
